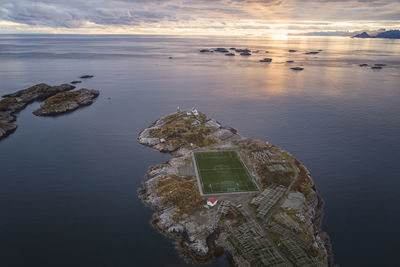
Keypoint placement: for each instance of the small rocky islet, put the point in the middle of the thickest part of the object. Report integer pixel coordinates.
(312, 53)
(266, 60)
(247, 52)
(86, 76)
(66, 102)
(376, 66)
(279, 225)
(13, 103)
(57, 100)
(297, 68)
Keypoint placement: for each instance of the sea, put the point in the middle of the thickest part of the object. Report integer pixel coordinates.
(68, 184)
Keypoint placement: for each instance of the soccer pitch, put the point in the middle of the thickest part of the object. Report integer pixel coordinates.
(222, 172)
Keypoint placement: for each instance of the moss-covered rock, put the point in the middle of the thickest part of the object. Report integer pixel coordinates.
(66, 102)
(38, 92)
(13, 103)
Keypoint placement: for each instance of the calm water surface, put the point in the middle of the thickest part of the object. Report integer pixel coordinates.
(68, 184)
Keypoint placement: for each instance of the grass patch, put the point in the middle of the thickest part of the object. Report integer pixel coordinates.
(223, 172)
(181, 192)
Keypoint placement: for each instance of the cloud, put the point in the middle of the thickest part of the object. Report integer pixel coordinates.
(169, 14)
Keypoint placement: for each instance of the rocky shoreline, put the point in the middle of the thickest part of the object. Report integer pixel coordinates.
(284, 217)
(58, 100)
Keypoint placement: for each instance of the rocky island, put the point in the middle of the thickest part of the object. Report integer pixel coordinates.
(66, 102)
(57, 100)
(272, 219)
(13, 103)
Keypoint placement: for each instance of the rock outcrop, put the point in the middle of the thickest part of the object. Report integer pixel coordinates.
(245, 54)
(297, 68)
(86, 76)
(221, 50)
(38, 92)
(6, 128)
(268, 60)
(58, 100)
(15, 102)
(66, 102)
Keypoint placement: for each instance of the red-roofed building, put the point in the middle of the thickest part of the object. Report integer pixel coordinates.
(212, 201)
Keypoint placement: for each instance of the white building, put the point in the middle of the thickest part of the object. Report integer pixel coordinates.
(212, 201)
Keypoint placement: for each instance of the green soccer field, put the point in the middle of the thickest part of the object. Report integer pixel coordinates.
(223, 172)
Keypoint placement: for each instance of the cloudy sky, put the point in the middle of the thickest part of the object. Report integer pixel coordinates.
(230, 17)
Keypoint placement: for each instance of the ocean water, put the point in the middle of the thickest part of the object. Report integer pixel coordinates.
(68, 185)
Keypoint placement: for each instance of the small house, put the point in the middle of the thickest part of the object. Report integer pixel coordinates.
(162, 140)
(212, 201)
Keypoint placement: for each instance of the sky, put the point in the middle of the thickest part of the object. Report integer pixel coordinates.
(204, 17)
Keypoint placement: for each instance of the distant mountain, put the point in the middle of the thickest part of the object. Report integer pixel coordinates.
(362, 35)
(392, 34)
